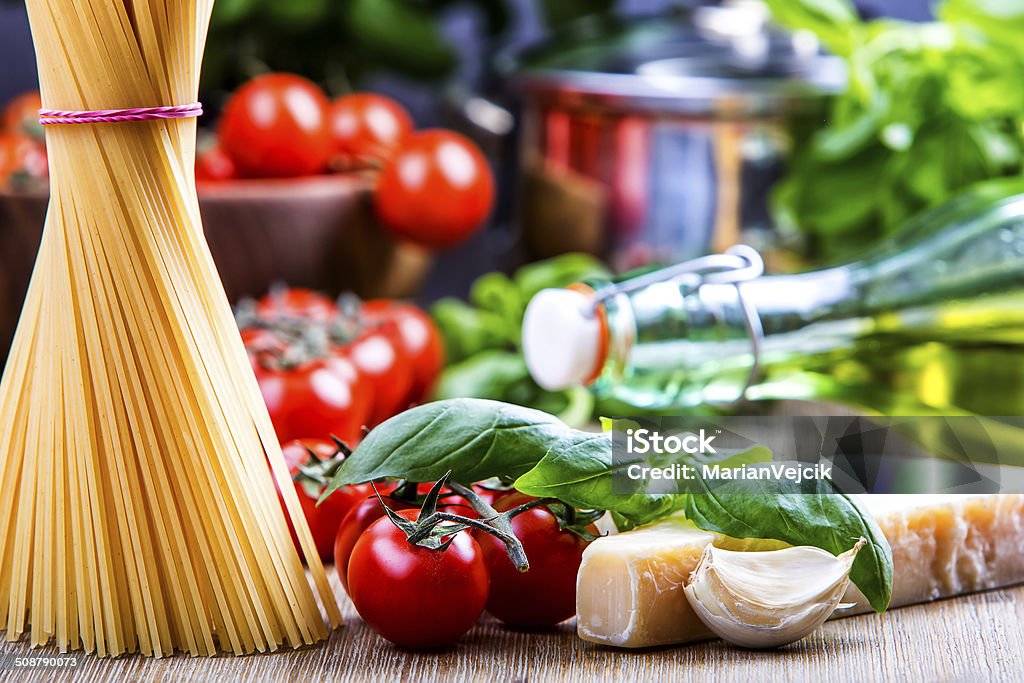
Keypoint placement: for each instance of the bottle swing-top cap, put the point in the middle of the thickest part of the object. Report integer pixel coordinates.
(562, 338)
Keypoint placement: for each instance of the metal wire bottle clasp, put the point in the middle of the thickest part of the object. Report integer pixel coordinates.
(739, 264)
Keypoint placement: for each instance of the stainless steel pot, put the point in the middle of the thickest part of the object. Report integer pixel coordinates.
(657, 142)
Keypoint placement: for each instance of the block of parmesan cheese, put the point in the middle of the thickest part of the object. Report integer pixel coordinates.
(630, 585)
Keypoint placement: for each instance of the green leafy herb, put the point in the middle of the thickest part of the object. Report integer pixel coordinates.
(474, 439)
(588, 477)
(482, 338)
(581, 474)
(931, 110)
(833, 21)
(503, 376)
(809, 513)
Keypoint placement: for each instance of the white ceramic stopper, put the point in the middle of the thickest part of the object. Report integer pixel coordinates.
(561, 338)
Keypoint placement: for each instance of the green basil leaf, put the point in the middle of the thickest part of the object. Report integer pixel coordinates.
(833, 21)
(497, 293)
(560, 271)
(488, 374)
(503, 376)
(810, 513)
(841, 142)
(581, 475)
(1000, 20)
(584, 475)
(467, 331)
(474, 439)
(930, 111)
(819, 183)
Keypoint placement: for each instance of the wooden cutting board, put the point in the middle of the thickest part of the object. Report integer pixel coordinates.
(973, 638)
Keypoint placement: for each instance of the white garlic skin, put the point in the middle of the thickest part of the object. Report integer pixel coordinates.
(770, 598)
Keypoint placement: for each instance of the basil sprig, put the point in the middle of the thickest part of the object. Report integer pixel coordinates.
(584, 474)
(476, 439)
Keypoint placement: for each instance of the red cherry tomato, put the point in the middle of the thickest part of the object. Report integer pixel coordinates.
(323, 520)
(379, 354)
(320, 398)
(437, 191)
(294, 302)
(296, 452)
(261, 343)
(420, 340)
(214, 165)
(366, 127)
(546, 594)
(23, 162)
(413, 596)
(370, 510)
(21, 116)
(276, 126)
(358, 519)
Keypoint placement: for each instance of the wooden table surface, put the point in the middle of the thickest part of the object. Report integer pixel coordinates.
(973, 638)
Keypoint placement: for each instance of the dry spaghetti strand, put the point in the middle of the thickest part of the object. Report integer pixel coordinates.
(137, 511)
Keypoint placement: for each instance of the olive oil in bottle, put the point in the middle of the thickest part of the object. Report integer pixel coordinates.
(929, 323)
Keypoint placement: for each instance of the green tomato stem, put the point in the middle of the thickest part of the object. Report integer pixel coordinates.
(498, 524)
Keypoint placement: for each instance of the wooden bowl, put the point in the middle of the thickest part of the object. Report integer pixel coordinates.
(316, 232)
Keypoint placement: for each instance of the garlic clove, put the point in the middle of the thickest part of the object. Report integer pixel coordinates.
(769, 598)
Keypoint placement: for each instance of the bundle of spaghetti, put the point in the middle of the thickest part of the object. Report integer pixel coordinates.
(137, 508)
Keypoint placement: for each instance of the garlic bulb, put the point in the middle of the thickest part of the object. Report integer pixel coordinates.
(769, 598)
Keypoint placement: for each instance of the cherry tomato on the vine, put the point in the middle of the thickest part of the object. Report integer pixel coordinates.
(318, 398)
(276, 126)
(323, 519)
(261, 344)
(419, 338)
(380, 356)
(21, 116)
(437, 190)
(295, 302)
(546, 594)
(370, 510)
(416, 597)
(367, 127)
(23, 162)
(358, 519)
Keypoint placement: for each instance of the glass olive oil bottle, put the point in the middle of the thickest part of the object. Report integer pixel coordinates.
(929, 323)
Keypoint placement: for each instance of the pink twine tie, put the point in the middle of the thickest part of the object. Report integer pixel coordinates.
(49, 117)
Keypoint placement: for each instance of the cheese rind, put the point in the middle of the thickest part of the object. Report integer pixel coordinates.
(630, 585)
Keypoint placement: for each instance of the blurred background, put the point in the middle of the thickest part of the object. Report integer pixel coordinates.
(432, 56)
(465, 31)
(464, 154)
